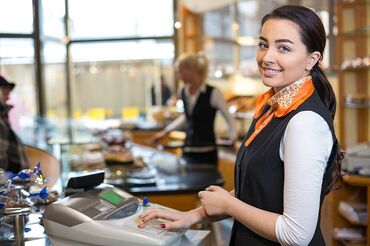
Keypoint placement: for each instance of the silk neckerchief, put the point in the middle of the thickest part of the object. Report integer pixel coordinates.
(281, 103)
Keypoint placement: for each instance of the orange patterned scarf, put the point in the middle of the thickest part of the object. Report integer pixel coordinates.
(284, 101)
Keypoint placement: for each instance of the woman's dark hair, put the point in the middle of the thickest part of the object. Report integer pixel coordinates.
(313, 36)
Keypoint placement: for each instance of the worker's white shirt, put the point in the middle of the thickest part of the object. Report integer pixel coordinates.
(305, 149)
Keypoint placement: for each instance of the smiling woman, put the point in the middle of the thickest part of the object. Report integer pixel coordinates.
(289, 159)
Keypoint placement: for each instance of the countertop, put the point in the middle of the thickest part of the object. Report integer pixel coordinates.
(174, 175)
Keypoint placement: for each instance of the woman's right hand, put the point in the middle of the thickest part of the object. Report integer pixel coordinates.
(174, 219)
(157, 137)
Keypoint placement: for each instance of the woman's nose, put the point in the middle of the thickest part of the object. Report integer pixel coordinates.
(268, 57)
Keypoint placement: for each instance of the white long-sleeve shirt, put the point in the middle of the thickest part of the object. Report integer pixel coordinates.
(217, 101)
(305, 149)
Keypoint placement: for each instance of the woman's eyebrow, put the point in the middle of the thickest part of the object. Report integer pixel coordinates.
(284, 41)
(277, 41)
(264, 39)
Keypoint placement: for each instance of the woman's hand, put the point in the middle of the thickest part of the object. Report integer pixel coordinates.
(175, 219)
(155, 139)
(215, 200)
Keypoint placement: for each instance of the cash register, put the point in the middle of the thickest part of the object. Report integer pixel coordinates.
(106, 215)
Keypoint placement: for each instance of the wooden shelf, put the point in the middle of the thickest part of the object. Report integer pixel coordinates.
(353, 212)
(357, 180)
(353, 69)
(351, 243)
(353, 125)
(356, 105)
(352, 41)
(360, 31)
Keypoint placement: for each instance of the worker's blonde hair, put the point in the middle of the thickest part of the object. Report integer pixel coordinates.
(196, 61)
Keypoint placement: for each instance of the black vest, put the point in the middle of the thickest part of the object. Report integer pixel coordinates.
(200, 124)
(259, 172)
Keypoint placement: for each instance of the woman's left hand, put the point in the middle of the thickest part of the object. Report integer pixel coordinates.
(214, 200)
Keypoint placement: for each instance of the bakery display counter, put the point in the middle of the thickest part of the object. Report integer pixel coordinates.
(163, 176)
(133, 166)
(141, 169)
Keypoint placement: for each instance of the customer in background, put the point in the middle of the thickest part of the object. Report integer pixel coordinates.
(164, 93)
(201, 102)
(12, 155)
(289, 159)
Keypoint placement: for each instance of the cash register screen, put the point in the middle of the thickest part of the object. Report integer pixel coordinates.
(112, 197)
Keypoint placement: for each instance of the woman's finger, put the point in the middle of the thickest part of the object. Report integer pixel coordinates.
(174, 225)
(159, 214)
(212, 188)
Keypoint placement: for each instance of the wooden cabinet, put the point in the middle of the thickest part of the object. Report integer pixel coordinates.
(352, 57)
(356, 189)
(190, 34)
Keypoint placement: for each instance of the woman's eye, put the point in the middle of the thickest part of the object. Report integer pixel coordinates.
(284, 49)
(262, 45)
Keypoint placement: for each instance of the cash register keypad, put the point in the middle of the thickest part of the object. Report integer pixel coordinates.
(124, 212)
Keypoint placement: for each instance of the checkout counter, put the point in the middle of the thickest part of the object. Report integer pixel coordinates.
(167, 178)
(107, 215)
(86, 218)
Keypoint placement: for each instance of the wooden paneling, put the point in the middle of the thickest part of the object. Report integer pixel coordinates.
(352, 41)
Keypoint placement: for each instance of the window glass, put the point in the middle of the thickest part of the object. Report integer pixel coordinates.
(17, 65)
(109, 76)
(54, 57)
(126, 50)
(249, 18)
(16, 16)
(121, 18)
(220, 55)
(53, 13)
(218, 23)
(248, 64)
(219, 46)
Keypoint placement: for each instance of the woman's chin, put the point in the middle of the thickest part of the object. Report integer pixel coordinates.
(268, 81)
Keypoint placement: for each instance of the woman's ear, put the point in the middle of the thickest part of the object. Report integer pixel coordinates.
(313, 59)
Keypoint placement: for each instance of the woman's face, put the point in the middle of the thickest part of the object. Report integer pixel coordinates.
(282, 58)
(186, 74)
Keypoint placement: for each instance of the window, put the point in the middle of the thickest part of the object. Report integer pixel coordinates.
(16, 16)
(121, 18)
(54, 58)
(119, 47)
(17, 64)
(219, 43)
(114, 75)
(53, 13)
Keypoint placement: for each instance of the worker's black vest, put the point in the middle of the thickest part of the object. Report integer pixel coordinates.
(259, 172)
(200, 124)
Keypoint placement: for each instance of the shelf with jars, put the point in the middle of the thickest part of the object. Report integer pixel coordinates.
(345, 219)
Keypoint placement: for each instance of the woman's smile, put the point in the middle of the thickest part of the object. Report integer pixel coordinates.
(268, 72)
